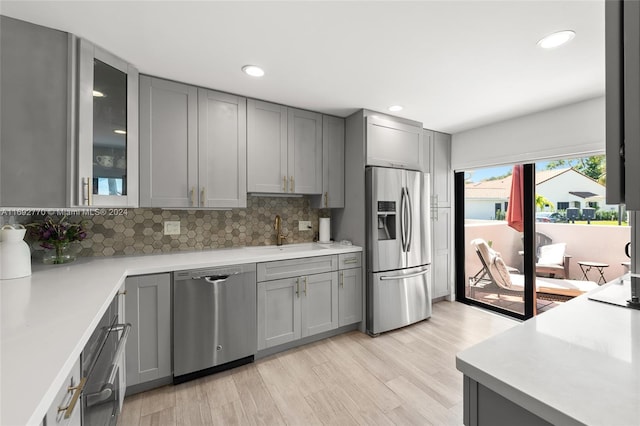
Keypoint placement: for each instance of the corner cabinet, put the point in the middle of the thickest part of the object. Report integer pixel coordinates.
(148, 310)
(332, 164)
(284, 149)
(107, 150)
(193, 146)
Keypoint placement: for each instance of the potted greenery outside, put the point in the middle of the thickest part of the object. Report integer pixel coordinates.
(57, 238)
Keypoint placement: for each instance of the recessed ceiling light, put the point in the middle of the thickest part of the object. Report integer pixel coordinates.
(120, 132)
(556, 39)
(97, 94)
(253, 70)
(395, 108)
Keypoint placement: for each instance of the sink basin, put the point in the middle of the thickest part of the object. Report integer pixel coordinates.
(288, 248)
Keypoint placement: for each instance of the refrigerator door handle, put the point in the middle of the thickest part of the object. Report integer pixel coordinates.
(403, 225)
(402, 277)
(409, 220)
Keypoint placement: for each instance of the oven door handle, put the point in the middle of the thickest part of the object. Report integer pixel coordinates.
(107, 389)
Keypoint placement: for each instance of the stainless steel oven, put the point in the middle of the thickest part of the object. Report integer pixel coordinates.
(102, 360)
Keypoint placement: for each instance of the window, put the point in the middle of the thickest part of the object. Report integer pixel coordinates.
(563, 205)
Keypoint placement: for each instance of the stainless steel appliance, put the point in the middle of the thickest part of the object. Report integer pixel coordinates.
(398, 248)
(102, 363)
(214, 320)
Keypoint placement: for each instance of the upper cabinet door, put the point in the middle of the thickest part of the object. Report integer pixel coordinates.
(107, 152)
(222, 138)
(305, 152)
(266, 147)
(168, 144)
(441, 173)
(394, 144)
(332, 164)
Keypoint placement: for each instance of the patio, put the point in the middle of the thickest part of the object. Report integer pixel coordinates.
(584, 243)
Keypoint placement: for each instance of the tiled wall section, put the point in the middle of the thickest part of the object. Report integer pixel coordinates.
(140, 231)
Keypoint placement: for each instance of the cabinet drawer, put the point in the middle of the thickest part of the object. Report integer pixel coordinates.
(268, 271)
(64, 398)
(349, 260)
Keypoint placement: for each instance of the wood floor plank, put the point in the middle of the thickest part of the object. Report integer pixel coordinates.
(403, 377)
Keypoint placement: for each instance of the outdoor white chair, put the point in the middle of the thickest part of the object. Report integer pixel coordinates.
(496, 277)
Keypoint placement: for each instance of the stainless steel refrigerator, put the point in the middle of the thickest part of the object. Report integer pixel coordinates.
(398, 248)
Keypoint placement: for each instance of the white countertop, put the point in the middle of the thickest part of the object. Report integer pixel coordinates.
(48, 317)
(575, 364)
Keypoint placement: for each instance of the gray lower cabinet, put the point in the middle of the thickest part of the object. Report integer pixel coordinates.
(193, 146)
(442, 252)
(350, 288)
(64, 411)
(34, 124)
(319, 303)
(148, 310)
(278, 312)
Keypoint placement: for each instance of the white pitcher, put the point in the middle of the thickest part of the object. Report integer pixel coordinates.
(15, 256)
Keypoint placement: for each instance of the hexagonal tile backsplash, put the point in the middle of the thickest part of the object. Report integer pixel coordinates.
(140, 231)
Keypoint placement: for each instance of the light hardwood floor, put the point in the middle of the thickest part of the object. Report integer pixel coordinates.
(403, 377)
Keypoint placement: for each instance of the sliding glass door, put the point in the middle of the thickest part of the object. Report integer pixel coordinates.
(495, 238)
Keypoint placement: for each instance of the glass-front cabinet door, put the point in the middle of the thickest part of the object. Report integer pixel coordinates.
(107, 155)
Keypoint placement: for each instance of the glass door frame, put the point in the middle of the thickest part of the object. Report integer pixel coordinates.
(528, 243)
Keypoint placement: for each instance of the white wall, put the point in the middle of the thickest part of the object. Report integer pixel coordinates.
(482, 209)
(567, 131)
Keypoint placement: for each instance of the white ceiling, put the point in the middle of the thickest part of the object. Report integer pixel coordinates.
(453, 65)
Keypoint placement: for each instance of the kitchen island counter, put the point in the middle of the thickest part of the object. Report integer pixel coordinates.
(48, 317)
(576, 364)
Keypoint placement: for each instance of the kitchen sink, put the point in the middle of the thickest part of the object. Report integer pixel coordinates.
(288, 248)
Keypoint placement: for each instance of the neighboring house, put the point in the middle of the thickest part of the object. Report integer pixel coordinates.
(563, 187)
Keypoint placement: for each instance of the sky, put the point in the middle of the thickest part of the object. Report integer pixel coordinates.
(478, 175)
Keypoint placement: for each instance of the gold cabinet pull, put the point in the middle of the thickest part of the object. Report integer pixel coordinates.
(86, 189)
(326, 199)
(342, 279)
(284, 184)
(77, 390)
(298, 287)
(351, 260)
(291, 184)
(202, 199)
(305, 286)
(122, 293)
(192, 195)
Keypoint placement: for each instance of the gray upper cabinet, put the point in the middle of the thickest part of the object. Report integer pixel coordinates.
(107, 147)
(34, 124)
(284, 149)
(168, 143)
(267, 147)
(441, 173)
(193, 146)
(332, 164)
(222, 137)
(394, 143)
(304, 155)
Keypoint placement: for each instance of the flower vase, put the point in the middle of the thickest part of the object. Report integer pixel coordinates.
(60, 253)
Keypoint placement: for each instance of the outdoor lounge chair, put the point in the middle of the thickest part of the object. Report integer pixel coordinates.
(496, 277)
(551, 258)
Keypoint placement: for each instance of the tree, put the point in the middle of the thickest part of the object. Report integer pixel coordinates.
(594, 166)
(541, 202)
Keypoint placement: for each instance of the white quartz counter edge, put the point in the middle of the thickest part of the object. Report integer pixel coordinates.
(576, 364)
(47, 318)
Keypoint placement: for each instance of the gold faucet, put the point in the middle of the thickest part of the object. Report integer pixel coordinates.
(278, 227)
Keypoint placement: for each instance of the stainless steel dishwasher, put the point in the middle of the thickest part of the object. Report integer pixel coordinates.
(214, 320)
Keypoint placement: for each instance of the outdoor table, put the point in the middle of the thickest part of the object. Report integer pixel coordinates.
(586, 266)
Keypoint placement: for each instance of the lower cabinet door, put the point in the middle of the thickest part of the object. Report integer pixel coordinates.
(148, 309)
(278, 312)
(65, 410)
(350, 296)
(319, 303)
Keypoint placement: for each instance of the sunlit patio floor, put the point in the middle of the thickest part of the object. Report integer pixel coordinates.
(513, 303)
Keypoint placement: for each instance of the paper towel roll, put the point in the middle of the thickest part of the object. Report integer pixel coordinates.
(325, 230)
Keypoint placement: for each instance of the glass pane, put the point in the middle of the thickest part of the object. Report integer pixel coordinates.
(109, 130)
(579, 236)
(493, 248)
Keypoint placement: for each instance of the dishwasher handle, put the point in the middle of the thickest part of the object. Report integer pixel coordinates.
(213, 279)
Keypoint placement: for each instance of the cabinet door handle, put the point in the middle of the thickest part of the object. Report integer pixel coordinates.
(342, 279)
(298, 287)
(326, 199)
(202, 193)
(192, 195)
(86, 189)
(284, 184)
(351, 260)
(292, 184)
(77, 390)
